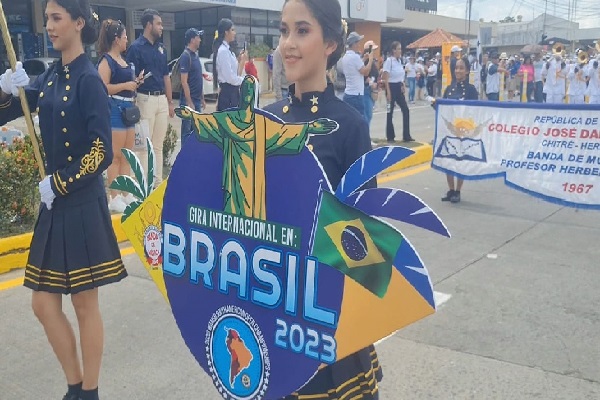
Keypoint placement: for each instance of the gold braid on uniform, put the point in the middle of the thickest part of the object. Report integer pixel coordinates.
(91, 161)
(6, 104)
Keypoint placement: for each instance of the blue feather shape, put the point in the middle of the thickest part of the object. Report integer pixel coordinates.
(368, 166)
(398, 205)
(409, 264)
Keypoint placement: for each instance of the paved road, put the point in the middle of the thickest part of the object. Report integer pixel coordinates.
(522, 320)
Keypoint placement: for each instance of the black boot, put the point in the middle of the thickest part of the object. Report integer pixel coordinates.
(448, 196)
(73, 392)
(89, 394)
(455, 197)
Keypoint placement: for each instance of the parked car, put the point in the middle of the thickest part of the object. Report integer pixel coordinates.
(207, 77)
(37, 66)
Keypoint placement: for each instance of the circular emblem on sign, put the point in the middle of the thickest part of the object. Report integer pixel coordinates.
(354, 243)
(153, 246)
(238, 357)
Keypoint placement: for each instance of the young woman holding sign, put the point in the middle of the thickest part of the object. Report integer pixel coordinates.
(312, 41)
(460, 89)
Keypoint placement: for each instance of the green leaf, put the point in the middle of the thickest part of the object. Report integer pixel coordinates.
(150, 179)
(138, 170)
(130, 209)
(126, 183)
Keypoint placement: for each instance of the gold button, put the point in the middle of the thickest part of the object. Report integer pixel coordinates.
(62, 113)
(70, 180)
(310, 147)
(50, 83)
(67, 76)
(64, 184)
(314, 109)
(77, 176)
(286, 109)
(68, 87)
(65, 130)
(69, 158)
(65, 98)
(67, 144)
(41, 94)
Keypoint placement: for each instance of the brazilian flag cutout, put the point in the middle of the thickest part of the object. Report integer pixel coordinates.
(359, 246)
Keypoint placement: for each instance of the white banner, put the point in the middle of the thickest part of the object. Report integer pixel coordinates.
(549, 151)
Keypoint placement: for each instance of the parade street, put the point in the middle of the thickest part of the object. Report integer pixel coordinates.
(516, 285)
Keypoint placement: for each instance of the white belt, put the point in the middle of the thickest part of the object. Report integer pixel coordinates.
(114, 96)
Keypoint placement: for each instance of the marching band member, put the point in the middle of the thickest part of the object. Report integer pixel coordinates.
(556, 81)
(593, 89)
(577, 85)
(73, 250)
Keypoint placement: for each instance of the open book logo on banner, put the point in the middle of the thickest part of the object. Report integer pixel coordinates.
(269, 274)
(461, 143)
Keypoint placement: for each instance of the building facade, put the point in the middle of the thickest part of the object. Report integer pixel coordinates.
(257, 21)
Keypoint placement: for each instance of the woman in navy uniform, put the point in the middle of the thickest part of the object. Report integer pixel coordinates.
(228, 70)
(460, 89)
(74, 249)
(312, 41)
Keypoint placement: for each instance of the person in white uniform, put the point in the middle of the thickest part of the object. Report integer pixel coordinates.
(593, 89)
(577, 84)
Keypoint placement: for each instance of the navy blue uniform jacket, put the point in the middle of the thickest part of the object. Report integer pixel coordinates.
(74, 113)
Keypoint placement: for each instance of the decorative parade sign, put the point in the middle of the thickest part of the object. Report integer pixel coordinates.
(549, 151)
(269, 274)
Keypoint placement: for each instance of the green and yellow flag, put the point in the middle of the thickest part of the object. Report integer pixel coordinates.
(359, 246)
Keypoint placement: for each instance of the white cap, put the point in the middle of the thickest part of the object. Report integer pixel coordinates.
(455, 49)
(370, 43)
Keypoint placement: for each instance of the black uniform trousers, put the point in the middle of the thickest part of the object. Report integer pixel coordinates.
(398, 97)
(229, 97)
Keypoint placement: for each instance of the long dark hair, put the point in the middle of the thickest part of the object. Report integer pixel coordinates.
(328, 14)
(109, 31)
(81, 9)
(223, 26)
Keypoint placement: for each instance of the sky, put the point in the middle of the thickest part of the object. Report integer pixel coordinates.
(586, 11)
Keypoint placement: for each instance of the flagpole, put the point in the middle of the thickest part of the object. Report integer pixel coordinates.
(12, 58)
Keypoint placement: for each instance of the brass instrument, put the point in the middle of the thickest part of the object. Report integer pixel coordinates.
(558, 49)
(598, 45)
(583, 57)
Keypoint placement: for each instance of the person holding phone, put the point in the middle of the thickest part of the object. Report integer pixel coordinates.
(355, 71)
(121, 83)
(370, 80)
(228, 70)
(154, 95)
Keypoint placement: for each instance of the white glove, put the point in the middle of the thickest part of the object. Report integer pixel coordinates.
(46, 192)
(11, 81)
(19, 78)
(6, 81)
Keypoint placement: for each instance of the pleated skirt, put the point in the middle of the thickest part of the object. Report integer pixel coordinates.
(74, 247)
(355, 377)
